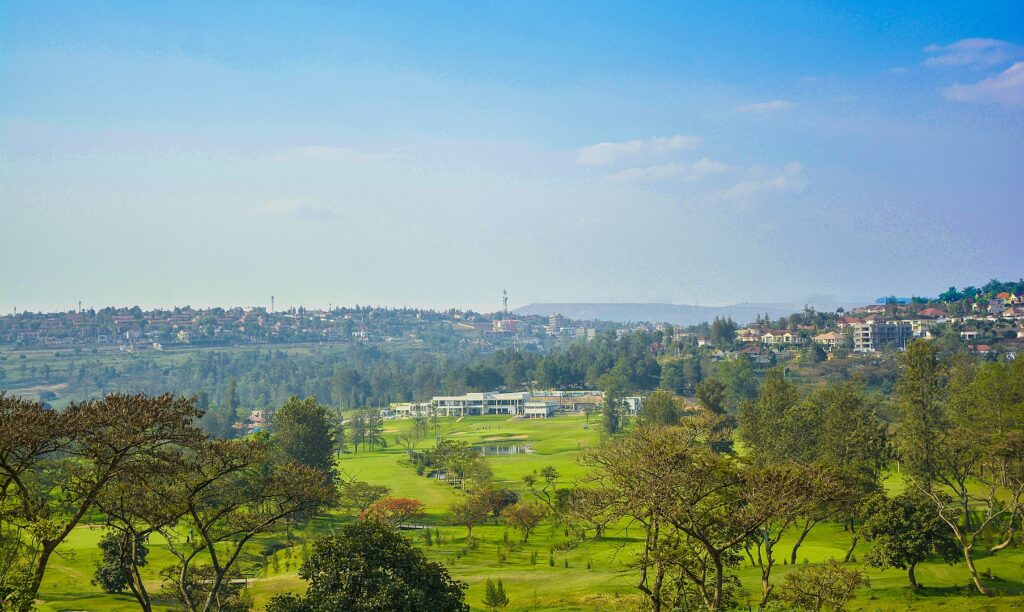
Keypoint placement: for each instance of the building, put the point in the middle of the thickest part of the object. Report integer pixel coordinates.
(403, 410)
(538, 410)
(969, 333)
(874, 334)
(748, 335)
(829, 340)
(481, 404)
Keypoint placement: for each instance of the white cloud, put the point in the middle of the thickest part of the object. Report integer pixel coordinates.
(1006, 88)
(975, 52)
(765, 107)
(897, 70)
(789, 180)
(607, 153)
(686, 172)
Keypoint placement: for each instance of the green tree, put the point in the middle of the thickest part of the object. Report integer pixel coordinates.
(54, 466)
(303, 433)
(711, 394)
(920, 397)
(614, 387)
(817, 586)
(723, 331)
(228, 493)
(524, 517)
(904, 531)
(470, 511)
(739, 378)
(763, 423)
(494, 594)
(813, 354)
(661, 408)
(673, 377)
(368, 567)
(118, 554)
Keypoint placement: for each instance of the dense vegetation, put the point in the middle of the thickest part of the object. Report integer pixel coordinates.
(693, 511)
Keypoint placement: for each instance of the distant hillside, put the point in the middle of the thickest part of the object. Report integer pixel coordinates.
(680, 314)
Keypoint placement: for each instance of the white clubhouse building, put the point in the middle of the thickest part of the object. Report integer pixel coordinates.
(489, 403)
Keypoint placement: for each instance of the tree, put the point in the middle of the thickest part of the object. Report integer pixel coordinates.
(339, 432)
(723, 331)
(356, 495)
(661, 408)
(411, 437)
(783, 491)
(302, 432)
(673, 377)
(764, 423)
(739, 378)
(920, 396)
(546, 489)
(813, 354)
(368, 567)
(614, 387)
(358, 431)
(494, 595)
(229, 492)
(54, 466)
(374, 428)
(231, 399)
(470, 511)
(694, 505)
(905, 531)
(711, 395)
(962, 444)
(394, 512)
(524, 517)
(817, 586)
(113, 569)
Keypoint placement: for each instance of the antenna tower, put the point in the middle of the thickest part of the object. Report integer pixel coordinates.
(504, 301)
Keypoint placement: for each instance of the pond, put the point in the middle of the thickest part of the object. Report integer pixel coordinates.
(497, 449)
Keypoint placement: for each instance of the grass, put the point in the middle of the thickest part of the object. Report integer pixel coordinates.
(602, 586)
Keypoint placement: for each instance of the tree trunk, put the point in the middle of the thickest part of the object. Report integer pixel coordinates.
(766, 585)
(913, 578)
(37, 575)
(716, 603)
(853, 544)
(973, 570)
(803, 534)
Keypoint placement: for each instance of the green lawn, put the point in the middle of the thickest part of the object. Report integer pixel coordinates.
(603, 586)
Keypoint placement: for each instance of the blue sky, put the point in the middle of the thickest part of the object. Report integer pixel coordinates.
(420, 154)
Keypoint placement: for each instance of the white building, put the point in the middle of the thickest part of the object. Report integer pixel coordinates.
(538, 410)
(481, 404)
(403, 410)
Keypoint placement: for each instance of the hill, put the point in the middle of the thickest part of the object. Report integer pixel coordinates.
(680, 314)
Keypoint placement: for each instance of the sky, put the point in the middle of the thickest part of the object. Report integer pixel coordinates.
(434, 154)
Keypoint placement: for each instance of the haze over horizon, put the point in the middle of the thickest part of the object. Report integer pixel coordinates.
(434, 155)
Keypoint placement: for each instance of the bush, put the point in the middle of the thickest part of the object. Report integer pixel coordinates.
(814, 587)
(368, 566)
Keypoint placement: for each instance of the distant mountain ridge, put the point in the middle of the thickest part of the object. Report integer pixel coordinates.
(680, 314)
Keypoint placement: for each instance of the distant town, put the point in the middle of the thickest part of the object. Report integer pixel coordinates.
(989, 322)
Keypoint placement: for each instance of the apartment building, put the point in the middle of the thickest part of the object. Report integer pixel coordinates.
(873, 335)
